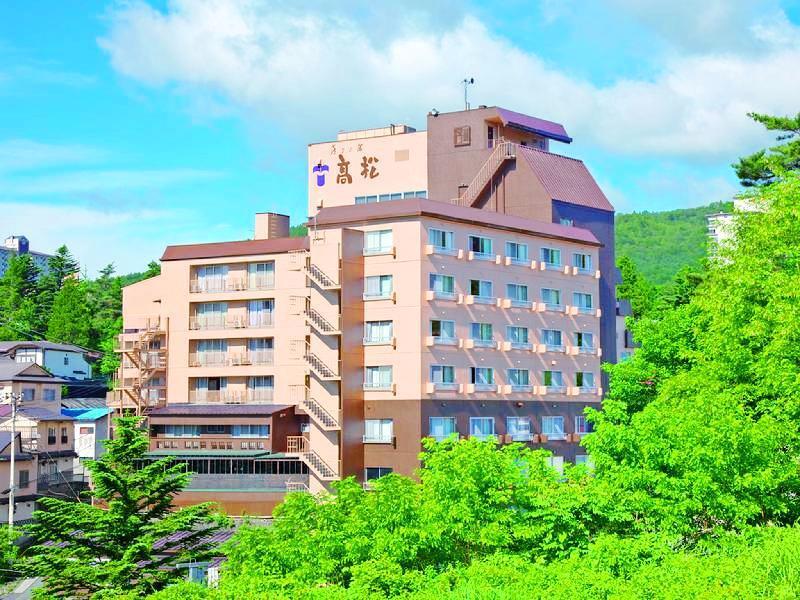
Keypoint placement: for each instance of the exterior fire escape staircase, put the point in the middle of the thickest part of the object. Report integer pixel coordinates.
(503, 152)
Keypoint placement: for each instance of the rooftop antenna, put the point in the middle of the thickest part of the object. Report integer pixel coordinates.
(467, 82)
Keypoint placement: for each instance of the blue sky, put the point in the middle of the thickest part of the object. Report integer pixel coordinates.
(127, 126)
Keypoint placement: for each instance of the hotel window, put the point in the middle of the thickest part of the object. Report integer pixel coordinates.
(582, 261)
(481, 427)
(210, 386)
(210, 352)
(462, 135)
(260, 313)
(518, 253)
(440, 428)
(64, 436)
(517, 293)
(441, 240)
(584, 380)
(481, 289)
(371, 473)
(519, 428)
(25, 355)
(260, 387)
(24, 479)
(260, 351)
(552, 298)
(582, 301)
(584, 341)
(378, 377)
(209, 315)
(519, 378)
(366, 199)
(211, 278)
(173, 431)
(481, 376)
(553, 428)
(378, 332)
(378, 287)
(250, 431)
(378, 242)
(215, 429)
(443, 330)
(48, 395)
(482, 334)
(581, 425)
(481, 246)
(443, 374)
(551, 257)
(518, 336)
(28, 394)
(553, 340)
(261, 276)
(443, 285)
(553, 379)
(379, 431)
(66, 361)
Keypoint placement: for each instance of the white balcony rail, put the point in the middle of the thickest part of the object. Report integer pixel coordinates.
(224, 321)
(254, 396)
(231, 284)
(247, 357)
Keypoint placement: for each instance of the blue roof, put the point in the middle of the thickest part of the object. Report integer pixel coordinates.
(85, 414)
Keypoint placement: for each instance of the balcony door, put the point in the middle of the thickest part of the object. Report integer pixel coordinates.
(261, 275)
(211, 278)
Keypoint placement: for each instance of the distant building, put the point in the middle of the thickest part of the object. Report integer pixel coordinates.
(625, 343)
(721, 225)
(91, 429)
(18, 244)
(62, 360)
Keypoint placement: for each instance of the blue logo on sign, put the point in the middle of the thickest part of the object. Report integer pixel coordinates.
(320, 170)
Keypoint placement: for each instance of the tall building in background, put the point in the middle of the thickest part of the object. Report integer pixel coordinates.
(457, 280)
(14, 245)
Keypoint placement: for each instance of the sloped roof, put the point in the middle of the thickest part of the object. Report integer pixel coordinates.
(543, 127)
(564, 178)
(41, 345)
(11, 370)
(239, 248)
(419, 207)
(85, 414)
(34, 413)
(203, 410)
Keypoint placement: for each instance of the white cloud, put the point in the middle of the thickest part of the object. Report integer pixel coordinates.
(19, 154)
(100, 180)
(314, 75)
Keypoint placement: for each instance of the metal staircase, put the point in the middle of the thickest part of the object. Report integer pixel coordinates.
(503, 151)
(319, 277)
(323, 418)
(320, 323)
(319, 367)
(321, 469)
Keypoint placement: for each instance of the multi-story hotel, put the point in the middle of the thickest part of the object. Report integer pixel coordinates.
(458, 280)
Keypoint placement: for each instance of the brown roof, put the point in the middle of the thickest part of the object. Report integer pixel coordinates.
(566, 179)
(240, 248)
(422, 207)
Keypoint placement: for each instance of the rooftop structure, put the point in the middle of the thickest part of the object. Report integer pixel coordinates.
(458, 280)
(15, 245)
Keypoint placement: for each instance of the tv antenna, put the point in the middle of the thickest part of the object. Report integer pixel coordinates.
(467, 82)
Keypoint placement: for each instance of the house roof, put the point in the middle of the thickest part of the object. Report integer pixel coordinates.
(240, 248)
(6, 347)
(422, 207)
(35, 413)
(564, 178)
(549, 129)
(85, 414)
(203, 410)
(11, 370)
(5, 439)
(83, 402)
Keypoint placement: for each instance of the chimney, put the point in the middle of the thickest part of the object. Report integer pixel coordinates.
(271, 225)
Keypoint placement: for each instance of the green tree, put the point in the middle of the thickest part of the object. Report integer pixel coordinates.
(85, 550)
(635, 288)
(153, 269)
(765, 166)
(70, 318)
(20, 317)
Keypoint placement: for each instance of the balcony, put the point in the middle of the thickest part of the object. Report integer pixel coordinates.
(585, 310)
(587, 389)
(482, 256)
(254, 482)
(521, 437)
(520, 303)
(521, 387)
(440, 295)
(553, 307)
(587, 349)
(447, 250)
(229, 359)
(231, 284)
(482, 343)
(520, 345)
(383, 341)
(555, 347)
(263, 396)
(443, 386)
(372, 296)
(485, 387)
(212, 322)
(551, 266)
(383, 439)
(378, 386)
(441, 340)
(555, 389)
(385, 250)
(484, 300)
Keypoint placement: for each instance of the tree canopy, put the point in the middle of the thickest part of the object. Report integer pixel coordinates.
(765, 166)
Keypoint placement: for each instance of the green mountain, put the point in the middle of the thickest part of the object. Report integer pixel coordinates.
(660, 243)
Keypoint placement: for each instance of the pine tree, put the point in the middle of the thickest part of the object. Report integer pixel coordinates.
(764, 166)
(84, 550)
(60, 266)
(70, 320)
(20, 315)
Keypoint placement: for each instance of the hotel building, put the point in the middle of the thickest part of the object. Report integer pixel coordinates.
(458, 280)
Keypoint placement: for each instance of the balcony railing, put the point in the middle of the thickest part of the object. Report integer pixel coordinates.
(232, 284)
(296, 444)
(587, 349)
(219, 359)
(263, 396)
(378, 386)
(483, 343)
(378, 439)
(445, 386)
(445, 340)
(252, 321)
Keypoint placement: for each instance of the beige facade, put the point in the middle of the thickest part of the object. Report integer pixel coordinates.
(397, 318)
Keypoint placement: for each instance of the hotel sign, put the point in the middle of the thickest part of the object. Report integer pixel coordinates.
(344, 176)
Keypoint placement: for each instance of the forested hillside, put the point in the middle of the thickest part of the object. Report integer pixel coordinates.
(660, 243)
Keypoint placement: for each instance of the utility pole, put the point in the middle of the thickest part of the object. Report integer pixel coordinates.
(12, 399)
